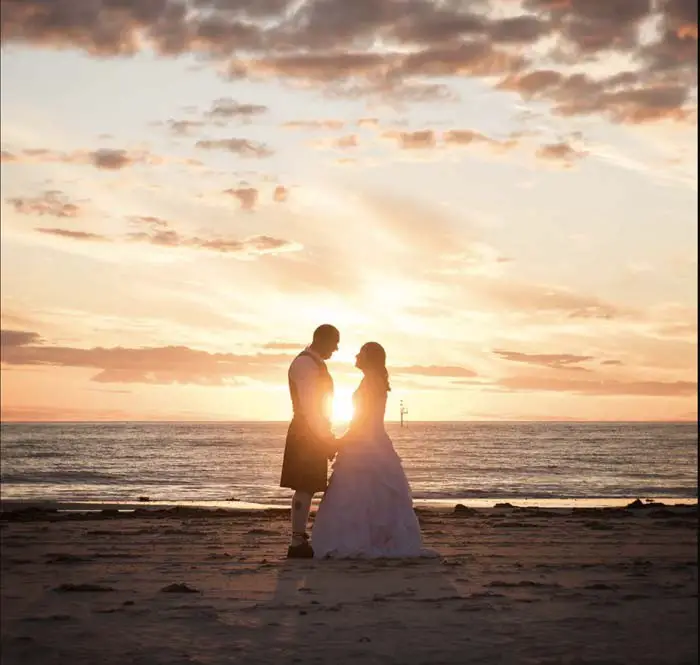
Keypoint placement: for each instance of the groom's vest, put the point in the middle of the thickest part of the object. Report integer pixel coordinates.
(322, 395)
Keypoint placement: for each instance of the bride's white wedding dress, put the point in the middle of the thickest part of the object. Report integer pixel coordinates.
(367, 510)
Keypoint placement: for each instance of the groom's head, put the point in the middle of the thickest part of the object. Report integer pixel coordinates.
(325, 341)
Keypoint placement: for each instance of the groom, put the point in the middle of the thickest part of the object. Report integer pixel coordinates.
(310, 441)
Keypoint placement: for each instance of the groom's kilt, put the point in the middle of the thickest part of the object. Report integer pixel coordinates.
(305, 465)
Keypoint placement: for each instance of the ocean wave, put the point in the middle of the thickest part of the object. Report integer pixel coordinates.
(443, 461)
(562, 493)
(61, 477)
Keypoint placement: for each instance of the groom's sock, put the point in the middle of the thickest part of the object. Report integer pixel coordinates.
(301, 506)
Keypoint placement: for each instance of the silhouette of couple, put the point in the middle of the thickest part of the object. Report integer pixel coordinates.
(367, 508)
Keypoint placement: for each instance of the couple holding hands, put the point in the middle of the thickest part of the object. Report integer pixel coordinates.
(367, 508)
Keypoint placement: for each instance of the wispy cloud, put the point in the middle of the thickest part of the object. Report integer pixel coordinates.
(242, 147)
(159, 233)
(74, 235)
(567, 361)
(226, 108)
(107, 159)
(601, 387)
(155, 365)
(52, 203)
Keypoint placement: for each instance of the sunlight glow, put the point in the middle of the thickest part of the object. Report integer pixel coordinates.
(342, 406)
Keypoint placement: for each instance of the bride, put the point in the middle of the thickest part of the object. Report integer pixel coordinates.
(367, 510)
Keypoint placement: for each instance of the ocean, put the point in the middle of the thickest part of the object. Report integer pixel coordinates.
(462, 461)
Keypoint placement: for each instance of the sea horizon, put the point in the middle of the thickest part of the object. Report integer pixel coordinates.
(452, 461)
(342, 423)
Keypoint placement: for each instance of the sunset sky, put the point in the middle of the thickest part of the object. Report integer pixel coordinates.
(503, 194)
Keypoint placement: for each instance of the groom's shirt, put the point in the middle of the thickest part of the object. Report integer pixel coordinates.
(304, 376)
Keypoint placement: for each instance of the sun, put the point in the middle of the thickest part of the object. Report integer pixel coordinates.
(342, 409)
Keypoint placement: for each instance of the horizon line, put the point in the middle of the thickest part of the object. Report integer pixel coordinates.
(393, 422)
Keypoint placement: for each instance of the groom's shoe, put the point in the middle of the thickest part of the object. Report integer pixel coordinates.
(301, 551)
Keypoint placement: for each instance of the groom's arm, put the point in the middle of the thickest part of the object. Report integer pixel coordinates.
(304, 375)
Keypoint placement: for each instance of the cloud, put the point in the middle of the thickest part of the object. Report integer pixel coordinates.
(183, 127)
(226, 108)
(51, 203)
(434, 371)
(465, 137)
(345, 142)
(103, 158)
(334, 42)
(623, 98)
(560, 152)
(11, 338)
(256, 245)
(682, 19)
(566, 361)
(479, 59)
(242, 147)
(314, 124)
(160, 234)
(324, 67)
(218, 114)
(248, 248)
(126, 27)
(454, 138)
(601, 387)
(280, 194)
(283, 346)
(418, 140)
(154, 365)
(150, 221)
(75, 235)
(634, 105)
(247, 196)
(596, 25)
(353, 73)
(395, 92)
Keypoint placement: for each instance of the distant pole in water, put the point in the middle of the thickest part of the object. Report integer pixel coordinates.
(403, 411)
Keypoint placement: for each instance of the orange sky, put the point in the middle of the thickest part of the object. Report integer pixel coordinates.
(503, 194)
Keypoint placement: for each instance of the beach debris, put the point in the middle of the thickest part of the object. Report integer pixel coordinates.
(82, 588)
(179, 588)
(233, 498)
(144, 498)
(504, 505)
(461, 509)
(261, 532)
(66, 558)
(50, 617)
(524, 583)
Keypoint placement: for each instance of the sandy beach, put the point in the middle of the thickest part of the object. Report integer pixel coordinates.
(513, 585)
